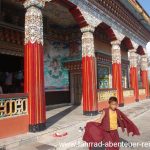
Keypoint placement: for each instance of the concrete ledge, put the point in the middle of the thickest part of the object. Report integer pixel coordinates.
(13, 126)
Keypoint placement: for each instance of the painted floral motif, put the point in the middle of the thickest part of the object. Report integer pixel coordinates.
(90, 19)
(106, 94)
(116, 54)
(144, 62)
(134, 44)
(133, 58)
(33, 26)
(118, 34)
(88, 42)
(38, 3)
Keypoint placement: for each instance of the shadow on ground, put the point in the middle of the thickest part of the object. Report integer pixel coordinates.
(53, 119)
(45, 147)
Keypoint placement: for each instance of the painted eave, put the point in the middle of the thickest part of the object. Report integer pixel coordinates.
(139, 13)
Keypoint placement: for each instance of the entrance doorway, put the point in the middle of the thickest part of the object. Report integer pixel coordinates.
(76, 88)
(11, 74)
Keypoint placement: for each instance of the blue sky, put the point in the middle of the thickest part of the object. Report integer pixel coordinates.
(146, 5)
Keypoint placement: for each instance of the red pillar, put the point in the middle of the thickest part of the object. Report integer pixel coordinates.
(144, 74)
(117, 71)
(34, 69)
(134, 74)
(134, 81)
(145, 83)
(89, 88)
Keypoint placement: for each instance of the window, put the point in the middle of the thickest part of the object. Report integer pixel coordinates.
(124, 78)
(103, 76)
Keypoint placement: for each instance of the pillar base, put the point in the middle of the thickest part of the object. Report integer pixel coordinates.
(121, 104)
(90, 113)
(137, 100)
(147, 97)
(37, 127)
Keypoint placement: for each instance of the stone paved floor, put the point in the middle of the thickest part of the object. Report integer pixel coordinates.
(143, 122)
(69, 119)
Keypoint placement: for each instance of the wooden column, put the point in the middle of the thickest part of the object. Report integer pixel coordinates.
(144, 74)
(34, 66)
(117, 70)
(89, 88)
(134, 73)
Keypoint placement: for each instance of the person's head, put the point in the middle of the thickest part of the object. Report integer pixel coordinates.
(113, 103)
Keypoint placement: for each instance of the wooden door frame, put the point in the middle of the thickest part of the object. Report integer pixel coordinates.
(71, 86)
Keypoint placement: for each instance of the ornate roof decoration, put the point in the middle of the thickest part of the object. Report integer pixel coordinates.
(118, 35)
(90, 19)
(140, 10)
(135, 45)
(122, 18)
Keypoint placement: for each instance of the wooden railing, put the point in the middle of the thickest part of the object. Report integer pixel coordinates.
(128, 92)
(142, 91)
(13, 105)
(105, 94)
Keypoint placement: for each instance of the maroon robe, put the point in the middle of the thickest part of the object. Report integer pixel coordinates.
(97, 132)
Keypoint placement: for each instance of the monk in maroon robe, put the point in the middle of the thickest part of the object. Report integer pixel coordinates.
(105, 129)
